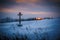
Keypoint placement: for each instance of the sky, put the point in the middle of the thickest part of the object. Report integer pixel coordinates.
(29, 8)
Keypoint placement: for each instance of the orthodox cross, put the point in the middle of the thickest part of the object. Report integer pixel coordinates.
(20, 19)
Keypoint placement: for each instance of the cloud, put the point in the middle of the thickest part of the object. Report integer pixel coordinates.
(53, 0)
(27, 1)
(9, 3)
(24, 11)
(30, 6)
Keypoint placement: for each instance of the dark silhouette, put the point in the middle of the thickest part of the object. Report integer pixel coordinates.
(19, 19)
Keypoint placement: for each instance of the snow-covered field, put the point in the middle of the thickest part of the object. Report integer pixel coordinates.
(48, 29)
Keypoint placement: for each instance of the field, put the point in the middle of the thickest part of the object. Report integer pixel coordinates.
(47, 29)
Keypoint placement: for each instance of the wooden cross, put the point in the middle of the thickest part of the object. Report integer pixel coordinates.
(20, 19)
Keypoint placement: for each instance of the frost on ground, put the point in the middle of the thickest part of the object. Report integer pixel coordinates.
(48, 29)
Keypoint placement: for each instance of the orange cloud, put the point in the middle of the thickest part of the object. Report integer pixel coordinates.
(7, 10)
(27, 1)
(40, 12)
(24, 11)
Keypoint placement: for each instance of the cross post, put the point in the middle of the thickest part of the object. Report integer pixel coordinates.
(20, 19)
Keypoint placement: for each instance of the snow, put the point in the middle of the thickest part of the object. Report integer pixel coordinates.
(34, 30)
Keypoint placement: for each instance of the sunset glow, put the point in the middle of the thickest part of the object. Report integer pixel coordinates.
(39, 18)
(32, 8)
(26, 1)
